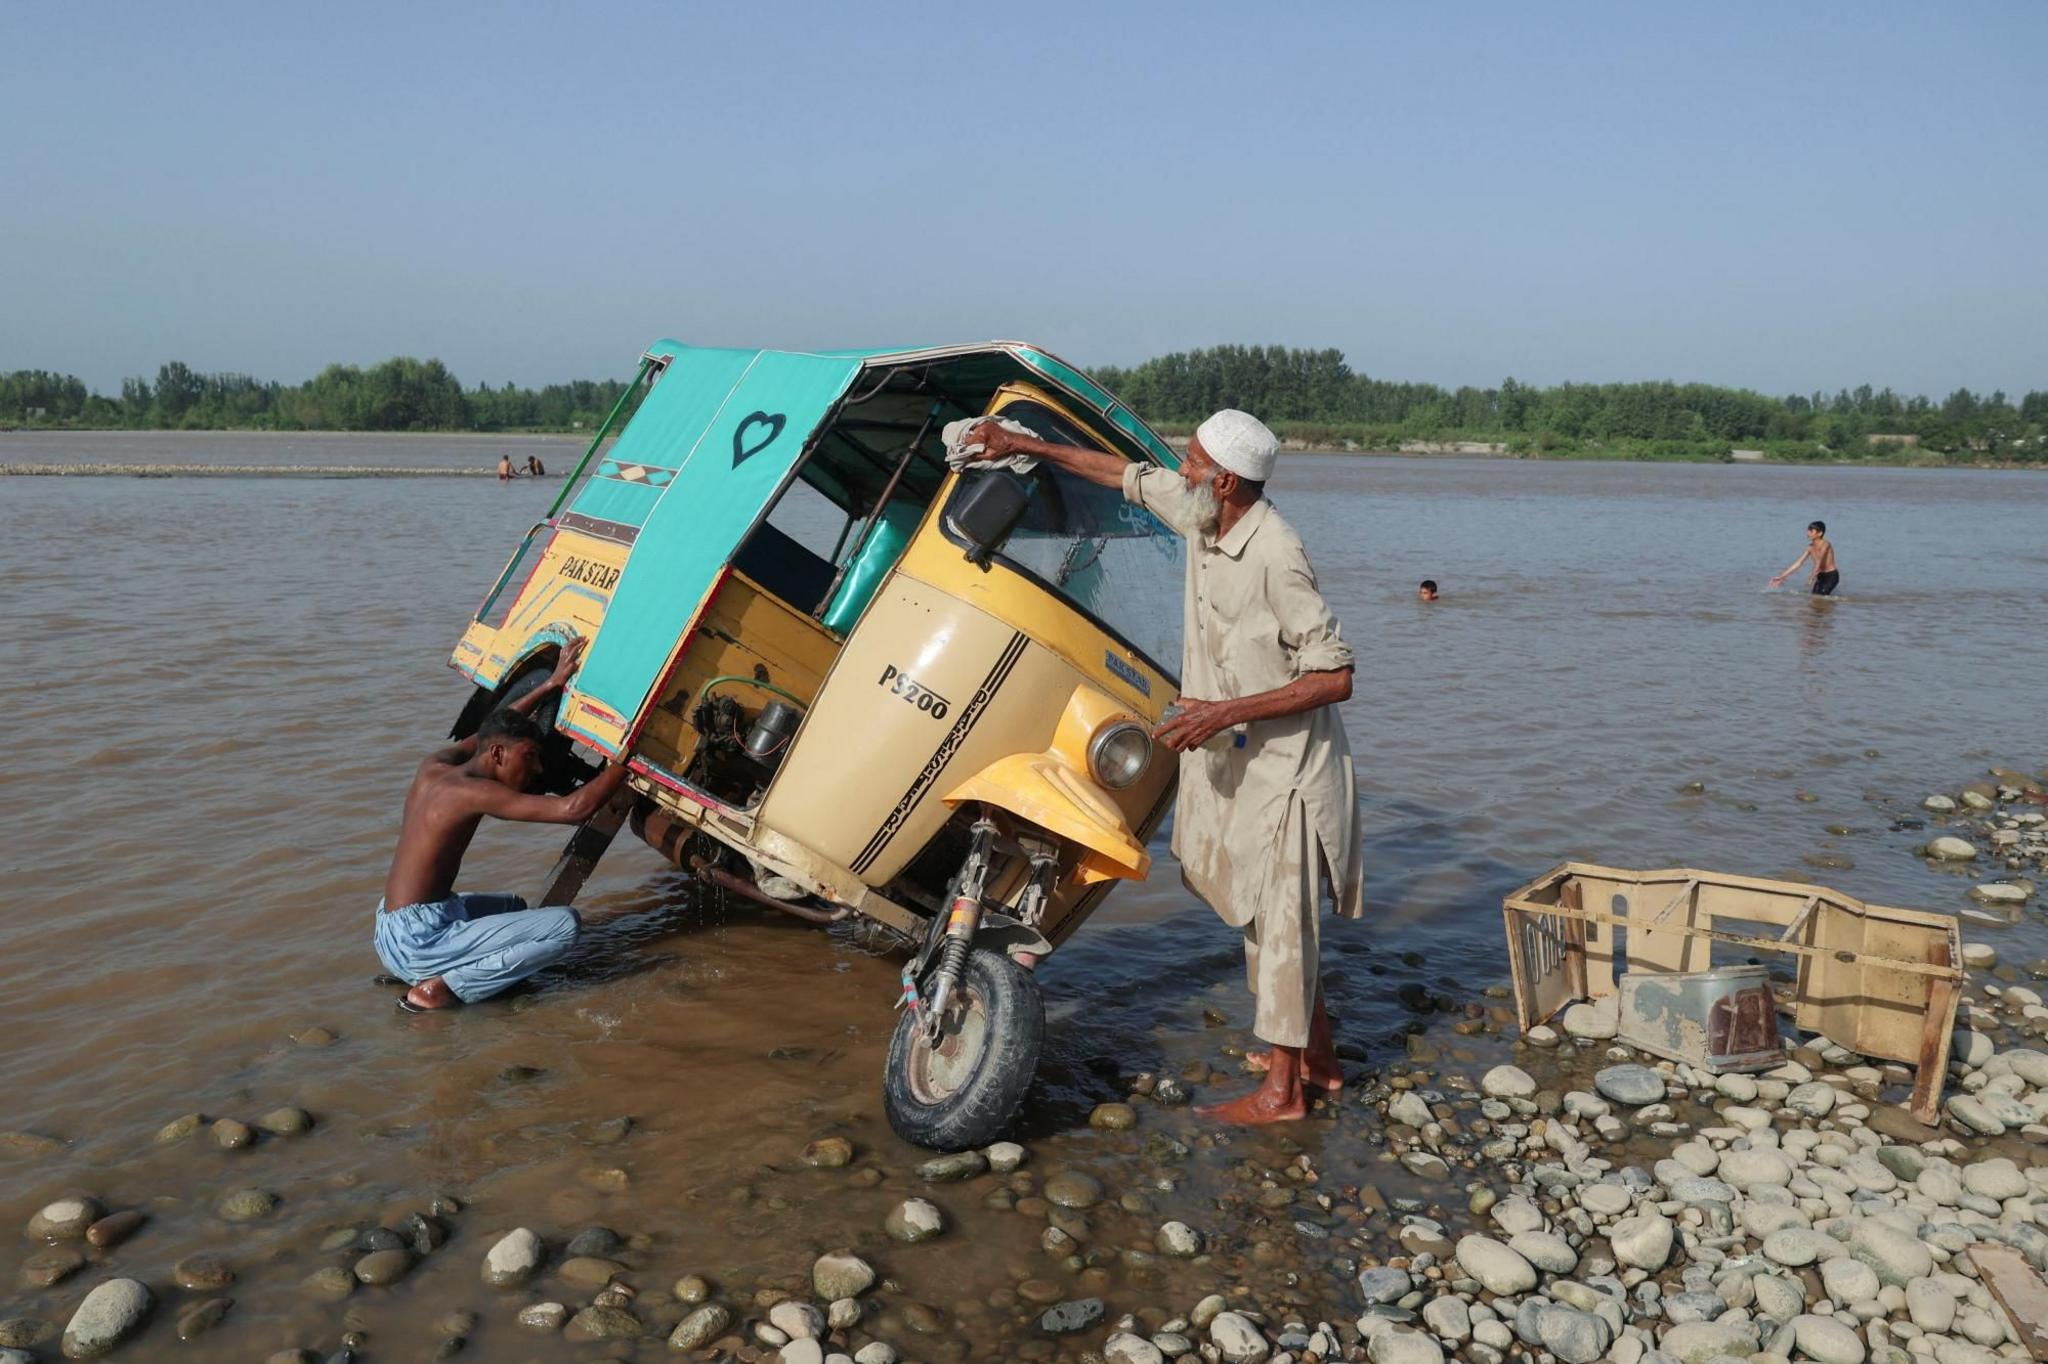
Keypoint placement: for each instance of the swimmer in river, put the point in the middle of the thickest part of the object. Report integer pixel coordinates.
(1426, 592)
(1822, 552)
(452, 948)
(505, 470)
(535, 467)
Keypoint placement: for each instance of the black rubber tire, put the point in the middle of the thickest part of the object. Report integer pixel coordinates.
(561, 770)
(982, 1107)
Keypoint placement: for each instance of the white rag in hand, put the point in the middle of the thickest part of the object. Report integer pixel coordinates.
(957, 452)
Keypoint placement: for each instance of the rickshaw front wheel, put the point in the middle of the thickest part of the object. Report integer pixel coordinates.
(963, 1087)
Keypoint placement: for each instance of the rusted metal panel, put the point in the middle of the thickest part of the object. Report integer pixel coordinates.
(1718, 1020)
(2019, 1290)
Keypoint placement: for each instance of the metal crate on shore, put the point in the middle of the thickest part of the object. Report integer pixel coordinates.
(1880, 981)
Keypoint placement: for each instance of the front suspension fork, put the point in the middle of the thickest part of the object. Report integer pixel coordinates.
(963, 917)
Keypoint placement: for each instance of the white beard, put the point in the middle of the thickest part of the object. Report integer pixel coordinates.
(1208, 510)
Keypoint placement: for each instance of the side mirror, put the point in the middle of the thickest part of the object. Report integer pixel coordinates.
(987, 511)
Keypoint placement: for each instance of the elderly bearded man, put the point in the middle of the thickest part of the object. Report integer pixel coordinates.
(1268, 800)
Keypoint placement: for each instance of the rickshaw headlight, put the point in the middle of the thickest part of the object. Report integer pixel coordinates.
(1119, 753)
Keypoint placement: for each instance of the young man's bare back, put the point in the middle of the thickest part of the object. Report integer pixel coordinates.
(453, 948)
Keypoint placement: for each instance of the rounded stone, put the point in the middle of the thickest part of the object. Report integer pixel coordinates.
(1949, 848)
(828, 1153)
(1815, 1098)
(797, 1320)
(108, 1316)
(1643, 1241)
(701, 1327)
(1549, 1253)
(1605, 1200)
(604, 1323)
(1996, 1178)
(1005, 1156)
(1897, 1258)
(1778, 1297)
(1507, 1082)
(543, 1316)
(203, 1273)
(231, 1135)
(1752, 1169)
(513, 1260)
(330, 1284)
(1178, 1240)
(948, 1168)
(1827, 1341)
(64, 1220)
(915, 1220)
(1113, 1117)
(1237, 1340)
(1499, 1269)
(841, 1274)
(1072, 1189)
(382, 1267)
(1125, 1348)
(1632, 1085)
(1403, 1347)
(1849, 1280)
(247, 1205)
(1796, 1246)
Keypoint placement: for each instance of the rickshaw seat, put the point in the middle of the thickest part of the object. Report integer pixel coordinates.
(784, 567)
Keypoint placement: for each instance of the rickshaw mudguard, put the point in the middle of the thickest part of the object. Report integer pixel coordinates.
(1043, 790)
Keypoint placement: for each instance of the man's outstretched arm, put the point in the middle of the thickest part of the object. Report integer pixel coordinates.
(490, 798)
(999, 442)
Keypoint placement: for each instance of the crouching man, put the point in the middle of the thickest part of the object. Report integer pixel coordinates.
(1268, 809)
(458, 949)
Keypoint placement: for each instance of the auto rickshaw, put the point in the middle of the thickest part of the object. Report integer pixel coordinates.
(850, 681)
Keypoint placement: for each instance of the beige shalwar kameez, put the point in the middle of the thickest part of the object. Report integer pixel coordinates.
(1260, 828)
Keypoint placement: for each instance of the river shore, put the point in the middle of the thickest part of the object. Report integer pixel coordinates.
(1483, 1195)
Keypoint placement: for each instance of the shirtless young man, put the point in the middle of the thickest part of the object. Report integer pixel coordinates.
(457, 949)
(1823, 555)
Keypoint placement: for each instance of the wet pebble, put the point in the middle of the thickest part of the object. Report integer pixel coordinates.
(197, 1320)
(114, 1228)
(1073, 1189)
(382, 1267)
(513, 1260)
(915, 1220)
(701, 1327)
(202, 1273)
(180, 1129)
(66, 1219)
(841, 1274)
(829, 1153)
(49, 1267)
(286, 1122)
(546, 1317)
(329, 1284)
(230, 1135)
(247, 1205)
(1113, 1117)
(109, 1315)
(1065, 1318)
(947, 1168)
(604, 1323)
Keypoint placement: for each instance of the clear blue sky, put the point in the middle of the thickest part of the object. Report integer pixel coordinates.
(1779, 196)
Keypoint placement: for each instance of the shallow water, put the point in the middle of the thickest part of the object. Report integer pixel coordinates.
(223, 686)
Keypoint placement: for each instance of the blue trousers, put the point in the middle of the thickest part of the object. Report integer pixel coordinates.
(478, 944)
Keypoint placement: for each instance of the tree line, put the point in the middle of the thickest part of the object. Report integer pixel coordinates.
(1316, 395)
(401, 394)
(1309, 394)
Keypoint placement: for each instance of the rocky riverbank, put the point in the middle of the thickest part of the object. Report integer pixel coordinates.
(1473, 1194)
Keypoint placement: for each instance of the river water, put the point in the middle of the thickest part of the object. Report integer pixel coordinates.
(222, 687)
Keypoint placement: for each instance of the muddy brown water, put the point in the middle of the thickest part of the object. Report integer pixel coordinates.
(221, 687)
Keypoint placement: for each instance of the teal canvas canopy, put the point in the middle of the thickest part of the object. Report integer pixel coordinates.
(712, 444)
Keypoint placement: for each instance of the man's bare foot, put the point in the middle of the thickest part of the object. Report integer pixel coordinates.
(431, 993)
(1263, 1105)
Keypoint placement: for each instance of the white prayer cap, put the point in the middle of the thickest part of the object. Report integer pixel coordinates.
(1240, 443)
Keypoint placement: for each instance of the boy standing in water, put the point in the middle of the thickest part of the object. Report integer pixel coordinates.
(1822, 553)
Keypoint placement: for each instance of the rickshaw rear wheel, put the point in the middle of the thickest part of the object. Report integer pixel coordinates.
(964, 1089)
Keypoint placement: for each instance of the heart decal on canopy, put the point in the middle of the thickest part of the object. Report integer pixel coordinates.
(755, 434)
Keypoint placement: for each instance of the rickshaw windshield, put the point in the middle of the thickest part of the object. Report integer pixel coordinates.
(1084, 543)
